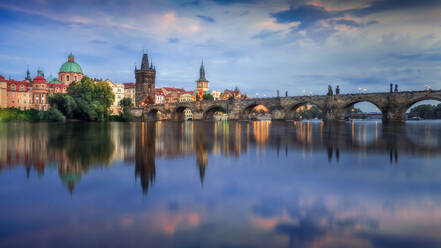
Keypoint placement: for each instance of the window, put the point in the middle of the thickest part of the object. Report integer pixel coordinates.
(67, 78)
(13, 87)
(21, 88)
(75, 78)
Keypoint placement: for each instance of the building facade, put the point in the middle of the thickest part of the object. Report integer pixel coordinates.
(70, 71)
(129, 91)
(145, 83)
(3, 92)
(118, 91)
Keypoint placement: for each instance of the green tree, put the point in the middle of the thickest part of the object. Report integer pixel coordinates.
(64, 103)
(125, 104)
(92, 99)
(208, 97)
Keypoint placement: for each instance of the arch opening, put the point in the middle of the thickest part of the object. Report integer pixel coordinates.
(256, 112)
(182, 114)
(154, 115)
(425, 109)
(363, 110)
(215, 113)
(305, 111)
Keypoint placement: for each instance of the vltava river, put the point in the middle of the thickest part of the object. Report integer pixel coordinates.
(225, 184)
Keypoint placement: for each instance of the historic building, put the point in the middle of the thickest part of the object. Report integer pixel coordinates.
(129, 91)
(202, 82)
(118, 91)
(145, 82)
(3, 92)
(70, 71)
(159, 96)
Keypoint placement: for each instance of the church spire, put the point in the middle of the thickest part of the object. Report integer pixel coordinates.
(202, 72)
(28, 74)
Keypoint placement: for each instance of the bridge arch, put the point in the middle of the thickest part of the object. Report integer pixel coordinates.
(431, 113)
(153, 115)
(210, 112)
(290, 113)
(349, 108)
(256, 111)
(182, 113)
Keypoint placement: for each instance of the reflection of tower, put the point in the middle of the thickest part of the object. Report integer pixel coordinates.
(70, 174)
(201, 155)
(145, 82)
(145, 155)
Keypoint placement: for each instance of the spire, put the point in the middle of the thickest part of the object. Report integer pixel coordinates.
(145, 62)
(202, 72)
(28, 74)
(151, 64)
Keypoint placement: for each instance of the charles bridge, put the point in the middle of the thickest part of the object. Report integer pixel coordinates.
(393, 106)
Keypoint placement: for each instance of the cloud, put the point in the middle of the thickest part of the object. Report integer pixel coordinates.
(206, 18)
(173, 40)
(307, 15)
(265, 34)
(349, 23)
(393, 5)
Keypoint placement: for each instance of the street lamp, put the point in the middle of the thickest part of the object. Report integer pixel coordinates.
(359, 90)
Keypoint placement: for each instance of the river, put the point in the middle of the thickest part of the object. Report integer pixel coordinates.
(220, 184)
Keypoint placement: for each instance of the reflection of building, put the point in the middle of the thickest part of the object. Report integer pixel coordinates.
(202, 82)
(145, 83)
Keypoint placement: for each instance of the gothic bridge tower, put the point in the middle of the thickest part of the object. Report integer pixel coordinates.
(145, 83)
(202, 82)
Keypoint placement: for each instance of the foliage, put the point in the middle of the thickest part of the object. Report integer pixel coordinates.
(64, 103)
(208, 97)
(126, 102)
(426, 111)
(85, 100)
(13, 114)
(53, 114)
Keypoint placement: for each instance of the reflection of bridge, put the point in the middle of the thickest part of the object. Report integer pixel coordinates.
(392, 105)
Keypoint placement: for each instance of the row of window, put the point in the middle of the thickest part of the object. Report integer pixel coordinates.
(68, 78)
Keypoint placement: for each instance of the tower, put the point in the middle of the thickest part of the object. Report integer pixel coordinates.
(145, 83)
(202, 82)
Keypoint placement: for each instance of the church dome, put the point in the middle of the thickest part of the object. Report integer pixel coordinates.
(71, 66)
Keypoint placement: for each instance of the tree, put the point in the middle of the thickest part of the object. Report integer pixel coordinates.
(64, 103)
(208, 97)
(92, 99)
(125, 104)
(427, 111)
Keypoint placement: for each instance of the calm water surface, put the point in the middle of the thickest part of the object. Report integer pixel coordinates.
(226, 184)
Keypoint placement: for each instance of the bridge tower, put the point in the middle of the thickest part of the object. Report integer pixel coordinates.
(202, 82)
(145, 83)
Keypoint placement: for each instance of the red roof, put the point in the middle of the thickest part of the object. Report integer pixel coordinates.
(26, 84)
(129, 85)
(39, 80)
(2, 79)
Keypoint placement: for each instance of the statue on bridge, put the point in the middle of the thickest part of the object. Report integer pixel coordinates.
(396, 87)
(286, 93)
(337, 90)
(330, 90)
(391, 88)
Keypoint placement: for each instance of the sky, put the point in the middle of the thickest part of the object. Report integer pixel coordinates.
(257, 45)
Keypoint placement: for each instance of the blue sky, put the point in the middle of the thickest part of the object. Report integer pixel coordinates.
(258, 46)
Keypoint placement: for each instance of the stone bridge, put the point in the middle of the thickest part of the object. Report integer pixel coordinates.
(392, 105)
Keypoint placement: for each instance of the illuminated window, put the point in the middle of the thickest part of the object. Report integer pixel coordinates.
(67, 78)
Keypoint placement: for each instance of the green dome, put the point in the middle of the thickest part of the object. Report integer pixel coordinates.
(71, 66)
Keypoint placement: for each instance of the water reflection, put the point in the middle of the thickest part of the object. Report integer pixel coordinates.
(279, 184)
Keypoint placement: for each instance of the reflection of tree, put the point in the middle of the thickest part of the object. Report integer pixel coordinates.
(87, 144)
(145, 155)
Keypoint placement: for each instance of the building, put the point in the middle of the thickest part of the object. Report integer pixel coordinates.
(159, 95)
(186, 96)
(39, 92)
(118, 91)
(70, 71)
(3, 92)
(19, 94)
(145, 83)
(232, 94)
(216, 94)
(129, 91)
(187, 114)
(202, 82)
